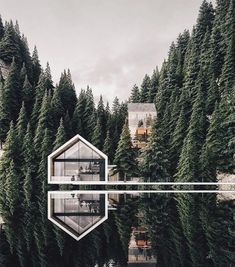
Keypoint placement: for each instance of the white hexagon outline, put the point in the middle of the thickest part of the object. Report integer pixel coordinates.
(63, 148)
(79, 237)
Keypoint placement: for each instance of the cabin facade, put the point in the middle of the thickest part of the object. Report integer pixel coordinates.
(77, 162)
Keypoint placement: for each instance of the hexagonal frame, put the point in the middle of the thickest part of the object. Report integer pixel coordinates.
(77, 237)
(63, 148)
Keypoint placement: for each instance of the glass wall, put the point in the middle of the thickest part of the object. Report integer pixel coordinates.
(78, 212)
(79, 163)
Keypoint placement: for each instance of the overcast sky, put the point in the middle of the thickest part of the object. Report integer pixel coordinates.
(108, 44)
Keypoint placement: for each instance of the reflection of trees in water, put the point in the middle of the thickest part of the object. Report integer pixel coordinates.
(99, 247)
(190, 229)
(184, 230)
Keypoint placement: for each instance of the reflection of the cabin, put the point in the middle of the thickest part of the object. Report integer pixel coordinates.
(79, 162)
(77, 212)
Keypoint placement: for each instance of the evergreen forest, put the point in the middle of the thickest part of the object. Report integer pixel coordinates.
(192, 140)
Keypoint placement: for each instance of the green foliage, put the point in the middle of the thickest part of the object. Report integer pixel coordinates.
(11, 187)
(154, 163)
(67, 92)
(188, 162)
(125, 219)
(195, 84)
(125, 157)
(1, 28)
(44, 122)
(9, 45)
(57, 109)
(145, 89)
(107, 149)
(135, 94)
(97, 138)
(28, 96)
(11, 97)
(60, 136)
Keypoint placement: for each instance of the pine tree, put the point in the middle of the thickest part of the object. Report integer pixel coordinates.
(9, 46)
(41, 232)
(227, 106)
(192, 67)
(28, 96)
(217, 49)
(227, 78)
(125, 219)
(23, 73)
(217, 221)
(59, 141)
(177, 140)
(102, 117)
(30, 167)
(68, 125)
(44, 122)
(12, 94)
(26, 58)
(97, 138)
(57, 108)
(181, 46)
(89, 115)
(43, 87)
(145, 89)
(162, 95)
(188, 162)
(48, 78)
(60, 136)
(9, 180)
(36, 66)
(1, 29)
(11, 187)
(4, 115)
(125, 158)
(107, 149)
(78, 115)
(67, 92)
(204, 21)
(21, 123)
(154, 163)
(10, 152)
(154, 85)
(212, 148)
(213, 96)
(135, 94)
(172, 80)
(189, 207)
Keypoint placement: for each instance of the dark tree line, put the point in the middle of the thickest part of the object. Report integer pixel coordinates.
(193, 141)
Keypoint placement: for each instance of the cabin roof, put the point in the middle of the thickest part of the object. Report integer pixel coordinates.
(141, 107)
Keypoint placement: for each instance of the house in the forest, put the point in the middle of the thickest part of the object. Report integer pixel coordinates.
(140, 119)
(77, 162)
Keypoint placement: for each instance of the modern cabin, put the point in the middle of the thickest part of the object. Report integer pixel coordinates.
(77, 162)
(140, 119)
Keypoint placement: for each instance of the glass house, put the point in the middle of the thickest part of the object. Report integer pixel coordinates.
(77, 162)
(140, 119)
(77, 213)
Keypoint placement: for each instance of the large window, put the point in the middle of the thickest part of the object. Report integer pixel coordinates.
(79, 163)
(78, 211)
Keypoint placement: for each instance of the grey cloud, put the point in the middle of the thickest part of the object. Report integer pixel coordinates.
(108, 44)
